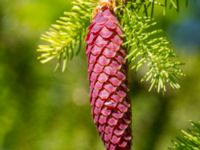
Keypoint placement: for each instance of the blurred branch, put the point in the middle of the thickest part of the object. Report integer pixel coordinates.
(158, 124)
(189, 139)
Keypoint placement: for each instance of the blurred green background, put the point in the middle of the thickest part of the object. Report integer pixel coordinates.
(45, 110)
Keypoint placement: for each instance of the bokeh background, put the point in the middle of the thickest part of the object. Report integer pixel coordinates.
(45, 110)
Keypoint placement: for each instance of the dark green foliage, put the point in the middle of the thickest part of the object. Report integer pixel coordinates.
(188, 140)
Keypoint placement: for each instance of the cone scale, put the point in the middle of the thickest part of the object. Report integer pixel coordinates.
(107, 73)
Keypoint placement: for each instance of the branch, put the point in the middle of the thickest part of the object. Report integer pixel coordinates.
(145, 43)
(64, 39)
(147, 7)
(188, 140)
(149, 49)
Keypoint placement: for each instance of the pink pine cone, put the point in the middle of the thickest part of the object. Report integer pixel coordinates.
(107, 74)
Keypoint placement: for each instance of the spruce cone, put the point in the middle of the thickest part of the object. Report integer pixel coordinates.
(107, 73)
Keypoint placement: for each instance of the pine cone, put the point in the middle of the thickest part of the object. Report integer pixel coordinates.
(107, 74)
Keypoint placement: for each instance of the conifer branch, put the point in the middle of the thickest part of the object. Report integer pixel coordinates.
(145, 43)
(188, 140)
(64, 39)
(149, 49)
(147, 7)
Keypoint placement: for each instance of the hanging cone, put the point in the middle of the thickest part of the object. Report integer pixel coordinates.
(107, 74)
